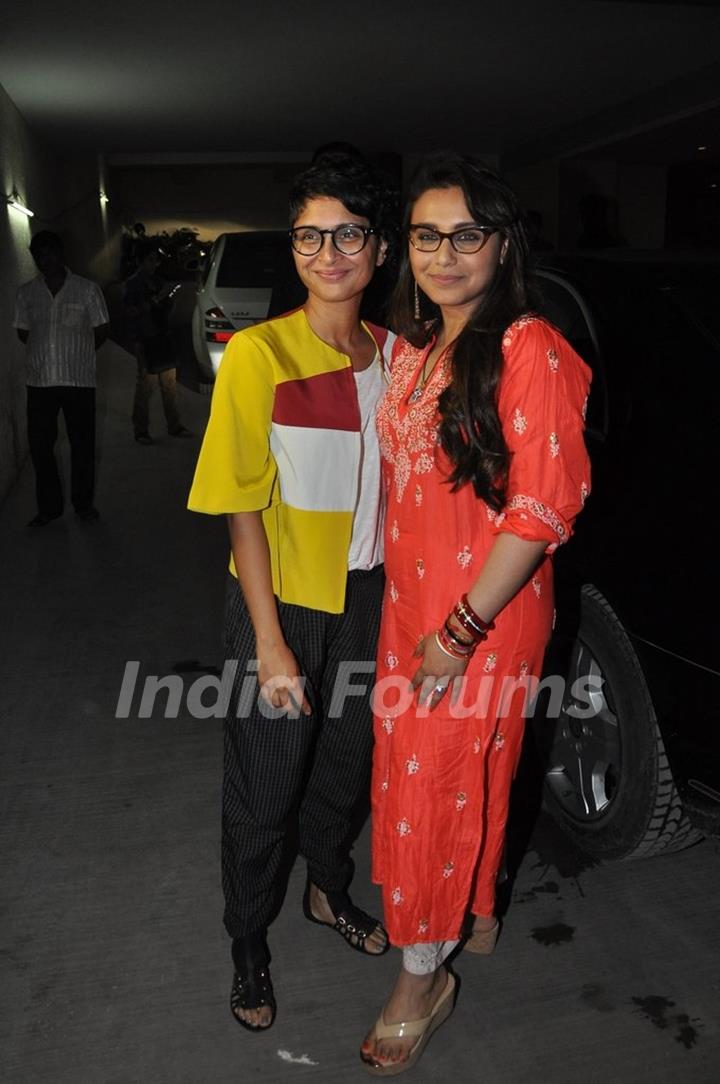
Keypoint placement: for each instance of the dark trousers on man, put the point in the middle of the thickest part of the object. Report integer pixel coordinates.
(308, 774)
(78, 407)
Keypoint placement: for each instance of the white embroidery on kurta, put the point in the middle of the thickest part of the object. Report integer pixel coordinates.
(402, 473)
(384, 786)
(388, 725)
(523, 669)
(393, 591)
(397, 896)
(465, 557)
(553, 361)
(412, 765)
(519, 421)
(423, 464)
(448, 869)
(403, 828)
(391, 660)
(540, 511)
(420, 568)
(523, 321)
(537, 586)
(499, 741)
(394, 531)
(554, 445)
(418, 495)
(460, 801)
(423, 926)
(477, 746)
(416, 428)
(490, 663)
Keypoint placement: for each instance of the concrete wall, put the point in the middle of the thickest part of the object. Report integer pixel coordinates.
(64, 194)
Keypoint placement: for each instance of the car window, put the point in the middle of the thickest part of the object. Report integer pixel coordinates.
(207, 264)
(249, 260)
(565, 307)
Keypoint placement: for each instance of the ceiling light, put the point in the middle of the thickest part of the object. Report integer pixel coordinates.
(16, 203)
(104, 198)
(702, 148)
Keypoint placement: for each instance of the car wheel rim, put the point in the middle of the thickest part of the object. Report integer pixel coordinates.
(584, 762)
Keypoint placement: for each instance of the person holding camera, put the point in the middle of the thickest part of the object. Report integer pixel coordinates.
(148, 300)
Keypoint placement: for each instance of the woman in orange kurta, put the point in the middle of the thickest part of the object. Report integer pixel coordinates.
(477, 518)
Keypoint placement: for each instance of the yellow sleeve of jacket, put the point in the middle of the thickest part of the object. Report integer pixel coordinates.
(236, 471)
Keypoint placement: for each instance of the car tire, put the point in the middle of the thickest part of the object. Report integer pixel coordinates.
(607, 778)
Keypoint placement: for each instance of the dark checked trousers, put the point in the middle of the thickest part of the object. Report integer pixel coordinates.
(301, 778)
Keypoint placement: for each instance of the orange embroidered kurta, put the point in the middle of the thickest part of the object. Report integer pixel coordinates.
(441, 780)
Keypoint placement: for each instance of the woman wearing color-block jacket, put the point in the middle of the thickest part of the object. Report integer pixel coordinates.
(291, 457)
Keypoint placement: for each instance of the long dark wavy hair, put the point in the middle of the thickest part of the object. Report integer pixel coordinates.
(470, 431)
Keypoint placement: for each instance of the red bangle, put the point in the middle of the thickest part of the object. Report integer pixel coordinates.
(449, 648)
(470, 621)
(461, 644)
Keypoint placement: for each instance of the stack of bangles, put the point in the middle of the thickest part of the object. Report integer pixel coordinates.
(454, 645)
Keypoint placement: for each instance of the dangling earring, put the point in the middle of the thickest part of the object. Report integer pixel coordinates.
(417, 302)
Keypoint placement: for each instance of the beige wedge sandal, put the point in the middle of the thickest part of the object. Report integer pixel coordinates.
(420, 1030)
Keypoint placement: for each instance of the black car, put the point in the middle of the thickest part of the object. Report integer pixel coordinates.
(637, 587)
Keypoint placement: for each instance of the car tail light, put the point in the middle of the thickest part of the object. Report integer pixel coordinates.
(216, 319)
(218, 329)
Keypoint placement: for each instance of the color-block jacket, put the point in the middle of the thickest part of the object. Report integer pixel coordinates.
(284, 438)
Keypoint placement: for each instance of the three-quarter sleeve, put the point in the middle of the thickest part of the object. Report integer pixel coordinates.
(542, 401)
(236, 471)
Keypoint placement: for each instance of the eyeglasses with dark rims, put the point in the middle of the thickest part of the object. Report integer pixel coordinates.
(465, 241)
(349, 238)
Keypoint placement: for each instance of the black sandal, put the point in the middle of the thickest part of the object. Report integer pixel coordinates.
(252, 987)
(353, 924)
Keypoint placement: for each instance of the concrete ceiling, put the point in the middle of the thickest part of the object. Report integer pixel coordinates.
(284, 75)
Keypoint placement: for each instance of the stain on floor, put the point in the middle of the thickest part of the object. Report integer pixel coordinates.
(557, 934)
(656, 1009)
(550, 888)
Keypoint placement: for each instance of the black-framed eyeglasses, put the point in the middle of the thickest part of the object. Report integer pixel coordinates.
(466, 241)
(349, 238)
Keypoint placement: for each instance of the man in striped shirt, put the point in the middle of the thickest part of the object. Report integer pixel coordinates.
(63, 320)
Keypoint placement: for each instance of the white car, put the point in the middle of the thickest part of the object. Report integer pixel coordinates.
(235, 287)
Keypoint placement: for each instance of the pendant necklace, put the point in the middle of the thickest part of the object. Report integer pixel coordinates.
(419, 388)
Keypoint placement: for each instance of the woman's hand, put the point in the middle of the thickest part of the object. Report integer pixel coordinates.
(437, 673)
(282, 686)
(281, 683)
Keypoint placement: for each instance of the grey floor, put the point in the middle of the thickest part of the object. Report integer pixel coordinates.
(115, 963)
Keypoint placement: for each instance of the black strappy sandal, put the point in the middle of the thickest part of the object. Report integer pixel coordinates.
(252, 987)
(353, 924)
